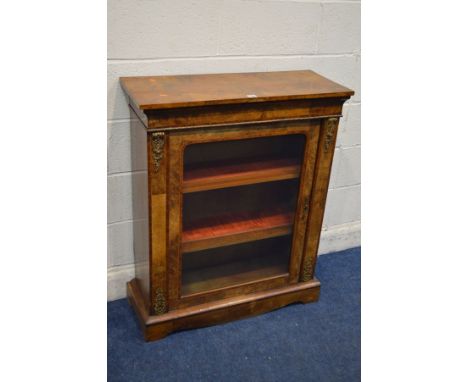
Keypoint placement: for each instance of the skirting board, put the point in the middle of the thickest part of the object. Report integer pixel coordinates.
(336, 238)
(340, 237)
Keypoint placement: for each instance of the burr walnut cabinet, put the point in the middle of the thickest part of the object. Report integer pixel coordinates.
(229, 194)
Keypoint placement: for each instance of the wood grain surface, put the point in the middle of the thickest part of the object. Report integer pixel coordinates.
(163, 92)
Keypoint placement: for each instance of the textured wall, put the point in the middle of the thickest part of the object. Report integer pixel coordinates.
(157, 37)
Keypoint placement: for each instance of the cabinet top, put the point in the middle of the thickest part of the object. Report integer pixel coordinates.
(165, 92)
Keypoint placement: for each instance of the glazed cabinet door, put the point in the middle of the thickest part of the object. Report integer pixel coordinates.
(238, 202)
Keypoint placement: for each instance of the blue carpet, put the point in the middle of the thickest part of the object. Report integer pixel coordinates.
(302, 342)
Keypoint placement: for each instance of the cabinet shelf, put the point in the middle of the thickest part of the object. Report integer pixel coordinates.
(235, 273)
(235, 229)
(229, 174)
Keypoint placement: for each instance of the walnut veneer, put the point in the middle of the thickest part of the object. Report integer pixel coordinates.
(229, 208)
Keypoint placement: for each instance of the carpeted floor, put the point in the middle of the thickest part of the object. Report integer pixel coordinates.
(312, 342)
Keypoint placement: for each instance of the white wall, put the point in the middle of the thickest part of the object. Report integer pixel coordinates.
(157, 37)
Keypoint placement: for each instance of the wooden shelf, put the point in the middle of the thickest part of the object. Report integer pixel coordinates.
(255, 269)
(228, 174)
(235, 229)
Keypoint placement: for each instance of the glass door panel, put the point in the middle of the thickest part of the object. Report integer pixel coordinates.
(239, 202)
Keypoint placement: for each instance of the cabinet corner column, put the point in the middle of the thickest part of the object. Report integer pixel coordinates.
(328, 134)
(157, 173)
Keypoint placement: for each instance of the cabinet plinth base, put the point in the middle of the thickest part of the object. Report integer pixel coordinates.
(157, 327)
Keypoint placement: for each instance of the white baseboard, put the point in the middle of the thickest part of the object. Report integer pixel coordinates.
(117, 278)
(336, 238)
(340, 237)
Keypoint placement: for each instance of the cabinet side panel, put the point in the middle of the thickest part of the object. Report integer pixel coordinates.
(328, 133)
(140, 206)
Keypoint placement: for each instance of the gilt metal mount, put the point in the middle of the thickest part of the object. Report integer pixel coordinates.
(307, 269)
(330, 127)
(159, 302)
(157, 143)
